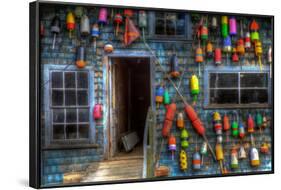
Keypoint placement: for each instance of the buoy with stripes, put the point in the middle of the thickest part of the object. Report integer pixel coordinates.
(180, 120)
(224, 26)
(196, 160)
(209, 50)
(250, 124)
(218, 56)
(199, 58)
(241, 130)
(172, 145)
(108, 47)
(254, 157)
(194, 88)
(234, 158)
(80, 57)
(247, 41)
(254, 27)
(232, 26)
(95, 33)
(159, 96)
(102, 19)
(258, 52)
(234, 128)
(217, 126)
(227, 44)
(70, 23)
(118, 19)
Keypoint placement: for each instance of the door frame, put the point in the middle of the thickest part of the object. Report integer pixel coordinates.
(109, 133)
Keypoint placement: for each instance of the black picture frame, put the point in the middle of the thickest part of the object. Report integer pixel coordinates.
(35, 95)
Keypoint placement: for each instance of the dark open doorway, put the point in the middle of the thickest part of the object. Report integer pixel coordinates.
(131, 98)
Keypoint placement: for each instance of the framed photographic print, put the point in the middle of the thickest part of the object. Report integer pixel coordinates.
(131, 94)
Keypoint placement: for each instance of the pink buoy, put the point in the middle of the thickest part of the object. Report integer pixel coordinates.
(97, 112)
(102, 16)
(232, 26)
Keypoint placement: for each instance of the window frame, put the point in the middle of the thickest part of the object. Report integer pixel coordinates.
(151, 27)
(48, 137)
(234, 69)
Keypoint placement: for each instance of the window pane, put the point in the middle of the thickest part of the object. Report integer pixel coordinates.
(180, 27)
(71, 131)
(70, 97)
(82, 80)
(83, 131)
(57, 97)
(254, 80)
(82, 97)
(58, 132)
(160, 28)
(83, 115)
(223, 80)
(224, 96)
(71, 116)
(57, 81)
(171, 23)
(254, 96)
(159, 15)
(69, 79)
(58, 115)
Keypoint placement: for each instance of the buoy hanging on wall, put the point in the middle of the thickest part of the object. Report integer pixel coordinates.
(85, 25)
(55, 29)
(70, 23)
(108, 48)
(180, 120)
(95, 33)
(118, 19)
(183, 160)
(218, 56)
(97, 112)
(80, 57)
(174, 66)
(224, 26)
(172, 145)
(102, 20)
(254, 157)
(159, 95)
(184, 137)
(169, 117)
(194, 88)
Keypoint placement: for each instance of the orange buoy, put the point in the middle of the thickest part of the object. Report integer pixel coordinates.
(169, 117)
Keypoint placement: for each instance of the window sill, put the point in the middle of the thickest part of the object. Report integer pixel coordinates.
(233, 106)
(70, 146)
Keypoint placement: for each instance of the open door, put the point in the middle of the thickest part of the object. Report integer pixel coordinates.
(131, 98)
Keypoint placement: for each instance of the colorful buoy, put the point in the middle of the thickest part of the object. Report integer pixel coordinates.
(70, 22)
(80, 57)
(194, 87)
